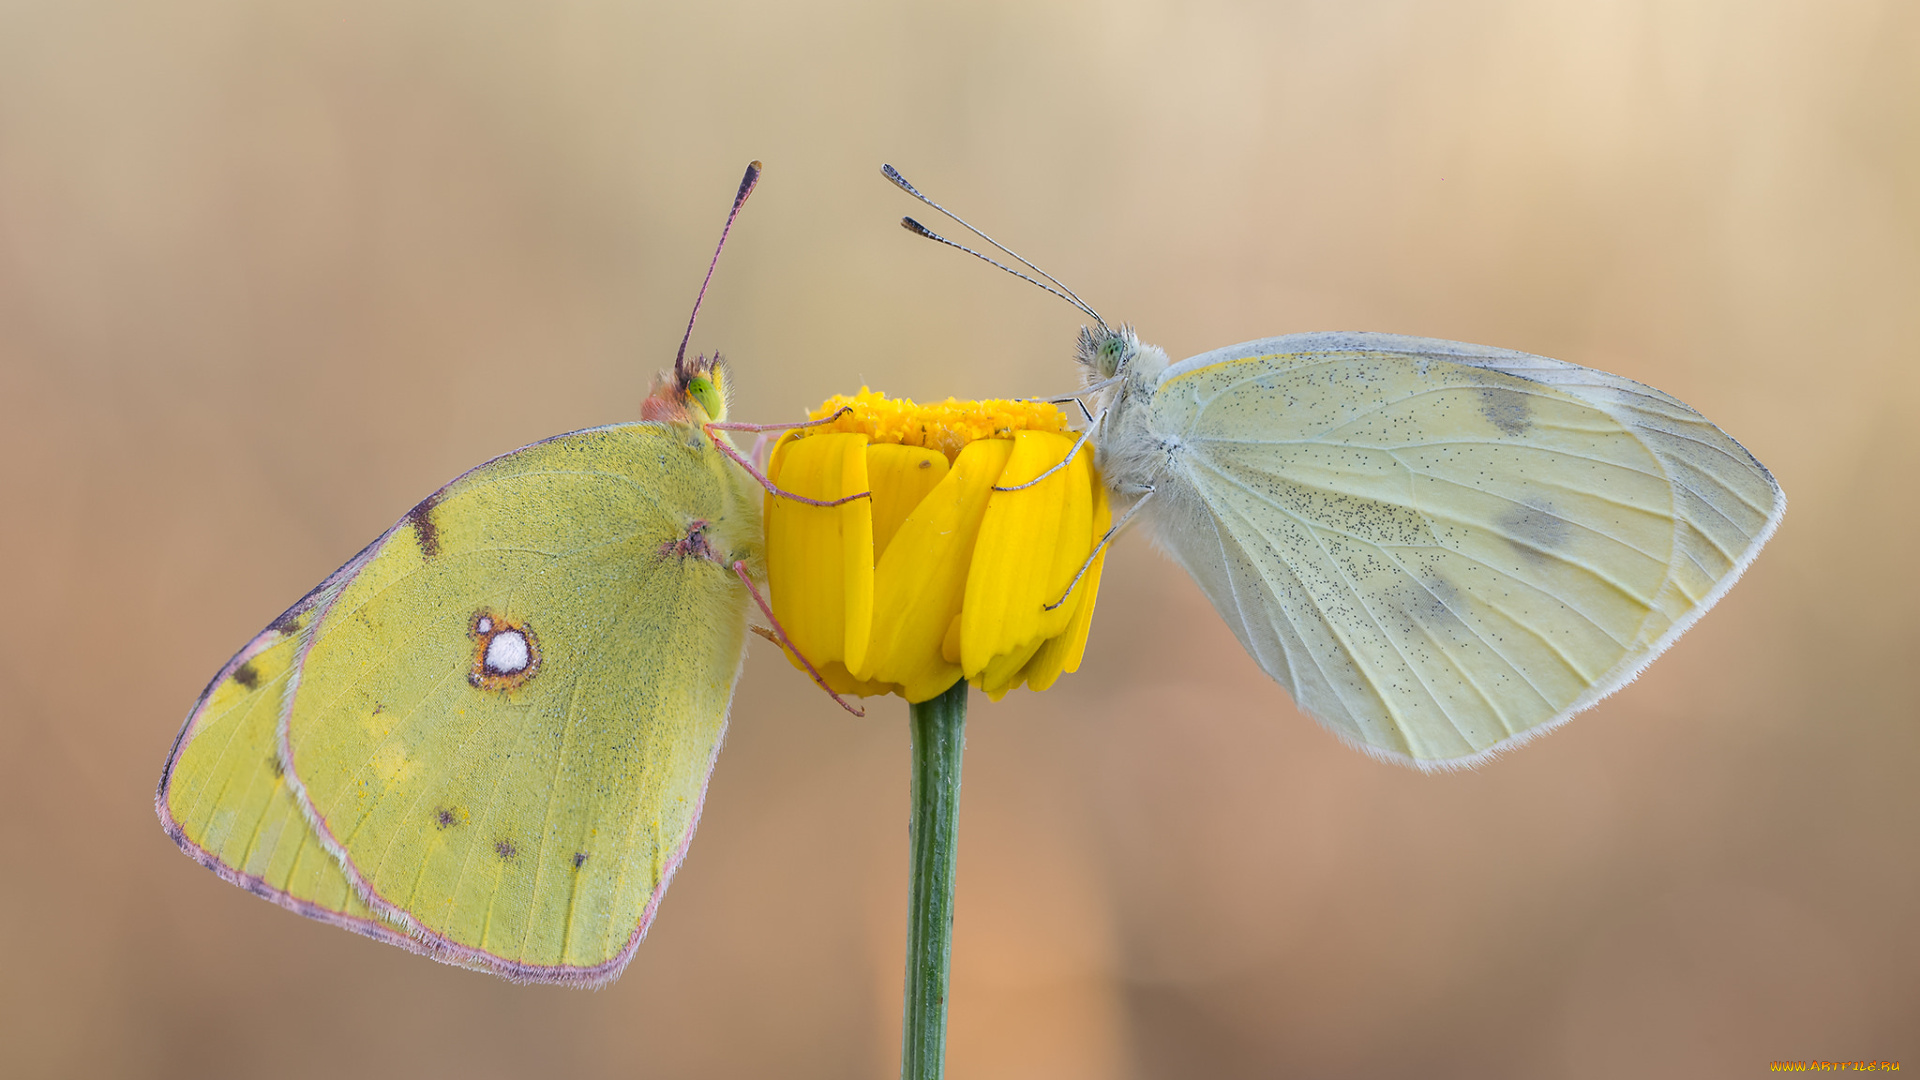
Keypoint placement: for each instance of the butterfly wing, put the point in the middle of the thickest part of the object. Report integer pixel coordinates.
(499, 718)
(1441, 549)
(224, 797)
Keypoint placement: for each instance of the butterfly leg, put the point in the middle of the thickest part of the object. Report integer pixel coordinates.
(1099, 547)
(1075, 398)
(1063, 462)
(779, 637)
(731, 425)
(726, 448)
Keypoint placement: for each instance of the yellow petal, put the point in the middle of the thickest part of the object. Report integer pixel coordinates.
(901, 476)
(1004, 672)
(921, 580)
(842, 681)
(1076, 541)
(950, 645)
(1063, 653)
(820, 562)
(1014, 560)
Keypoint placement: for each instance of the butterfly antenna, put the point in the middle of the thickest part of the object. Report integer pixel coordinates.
(918, 229)
(747, 183)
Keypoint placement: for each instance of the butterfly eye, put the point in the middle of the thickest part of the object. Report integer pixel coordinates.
(705, 394)
(1112, 351)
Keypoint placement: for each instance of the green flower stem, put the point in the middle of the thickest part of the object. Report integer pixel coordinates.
(939, 736)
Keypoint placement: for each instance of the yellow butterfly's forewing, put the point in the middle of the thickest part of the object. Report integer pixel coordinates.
(522, 811)
(1438, 548)
(224, 797)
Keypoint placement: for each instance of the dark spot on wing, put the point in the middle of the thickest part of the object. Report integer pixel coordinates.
(1508, 410)
(424, 530)
(247, 675)
(579, 859)
(1535, 529)
(504, 849)
(288, 623)
(926, 463)
(276, 766)
(1435, 601)
(446, 818)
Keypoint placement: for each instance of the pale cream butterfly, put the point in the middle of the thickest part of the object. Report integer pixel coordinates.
(1440, 550)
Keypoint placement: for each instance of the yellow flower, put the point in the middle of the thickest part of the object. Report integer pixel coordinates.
(937, 577)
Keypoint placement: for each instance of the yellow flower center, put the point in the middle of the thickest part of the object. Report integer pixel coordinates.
(937, 577)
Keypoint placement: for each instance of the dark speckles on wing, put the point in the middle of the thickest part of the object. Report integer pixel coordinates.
(505, 849)
(1369, 520)
(579, 859)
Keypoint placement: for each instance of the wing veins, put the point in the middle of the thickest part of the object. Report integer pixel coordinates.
(1333, 630)
(1353, 590)
(546, 822)
(1386, 550)
(1511, 501)
(226, 784)
(1396, 448)
(510, 584)
(1729, 556)
(1539, 389)
(466, 863)
(1674, 429)
(1463, 669)
(1432, 516)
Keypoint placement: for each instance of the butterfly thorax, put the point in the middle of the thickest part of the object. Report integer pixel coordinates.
(686, 399)
(1120, 375)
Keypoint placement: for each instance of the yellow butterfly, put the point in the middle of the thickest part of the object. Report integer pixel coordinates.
(486, 737)
(1439, 549)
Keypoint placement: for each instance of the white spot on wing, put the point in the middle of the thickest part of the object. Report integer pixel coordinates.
(507, 653)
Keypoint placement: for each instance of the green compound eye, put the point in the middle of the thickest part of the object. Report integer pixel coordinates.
(706, 395)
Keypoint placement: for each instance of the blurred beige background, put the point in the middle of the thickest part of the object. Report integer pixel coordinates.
(272, 271)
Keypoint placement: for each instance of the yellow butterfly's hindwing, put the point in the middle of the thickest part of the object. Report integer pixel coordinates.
(496, 723)
(223, 795)
(1441, 549)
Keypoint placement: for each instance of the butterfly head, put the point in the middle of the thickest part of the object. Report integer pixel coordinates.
(1107, 352)
(694, 392)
